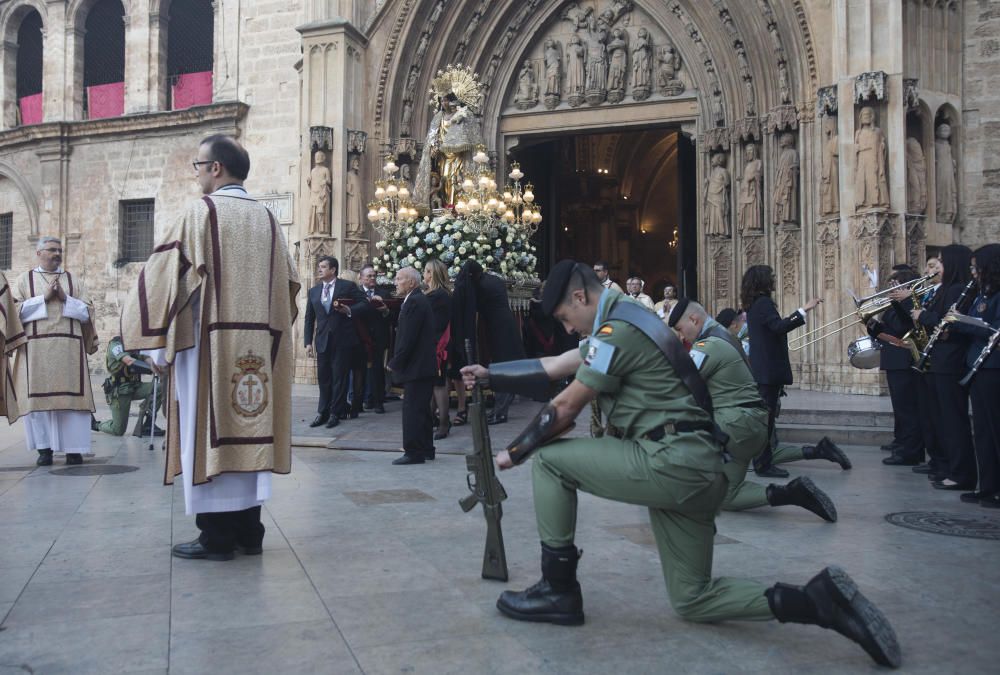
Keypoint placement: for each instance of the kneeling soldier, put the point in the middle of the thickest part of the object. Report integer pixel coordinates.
(124, 385)
(740, 413)
(664, 453)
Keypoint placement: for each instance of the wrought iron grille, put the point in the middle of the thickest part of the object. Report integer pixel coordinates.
(6, 239)
(135, 239)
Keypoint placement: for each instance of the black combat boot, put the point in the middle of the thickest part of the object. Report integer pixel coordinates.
(803, 492)
(832, 600)
(44, 458)
(554, 599)
(826, 449)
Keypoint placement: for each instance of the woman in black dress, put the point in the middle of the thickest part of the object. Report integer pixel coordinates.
(439, 294)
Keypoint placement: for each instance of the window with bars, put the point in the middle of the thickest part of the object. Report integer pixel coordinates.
(135, 239)
(6, 238)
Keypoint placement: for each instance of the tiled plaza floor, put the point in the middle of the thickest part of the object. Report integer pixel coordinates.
(359, 578)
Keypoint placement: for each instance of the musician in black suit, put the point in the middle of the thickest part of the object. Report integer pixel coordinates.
(947, 367)
(414, 365)
(903, 380)
(772, 370)
(378, 330)
(331, 337)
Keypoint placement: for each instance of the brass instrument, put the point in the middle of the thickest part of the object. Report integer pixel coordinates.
(866, 308)
(922, 361)
(916, 338)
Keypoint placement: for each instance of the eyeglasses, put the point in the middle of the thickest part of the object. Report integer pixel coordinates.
(198, 163)
(52, 250)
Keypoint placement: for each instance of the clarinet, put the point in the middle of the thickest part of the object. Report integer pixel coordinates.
(983, 355)
(922, 364)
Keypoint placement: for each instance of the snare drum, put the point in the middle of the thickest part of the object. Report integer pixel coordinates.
(864, 352)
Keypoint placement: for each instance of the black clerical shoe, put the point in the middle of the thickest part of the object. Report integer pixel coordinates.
(972, 497)
(44, 458)
(157, 431)
(193, 550)
(429, 455)
(770, 472)
(949, 484)
(94, 424)
(900, 460)
(250, 550)
(408, 459)
(924, 468)
(73, 458)
(334, 421)
(319, 421)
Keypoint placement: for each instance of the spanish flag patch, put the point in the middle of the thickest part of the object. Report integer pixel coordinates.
(606, 330)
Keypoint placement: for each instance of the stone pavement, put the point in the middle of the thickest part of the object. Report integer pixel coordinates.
(371, 568)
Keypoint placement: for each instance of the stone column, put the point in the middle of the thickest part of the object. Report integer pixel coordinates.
(58, 86)
(225, 72)
(138, 56)
(158, 27)
(8, 93)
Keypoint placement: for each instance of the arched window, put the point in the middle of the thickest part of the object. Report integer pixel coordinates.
(29, 69)
(190, 51)
(104, 60)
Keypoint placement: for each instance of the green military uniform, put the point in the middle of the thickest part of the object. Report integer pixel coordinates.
(678, 477)
(123, 386)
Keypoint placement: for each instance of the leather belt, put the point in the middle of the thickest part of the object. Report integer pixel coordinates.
(753, 404)
(669, 428)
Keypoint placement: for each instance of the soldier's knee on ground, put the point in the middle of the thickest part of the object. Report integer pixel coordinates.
(688, 601)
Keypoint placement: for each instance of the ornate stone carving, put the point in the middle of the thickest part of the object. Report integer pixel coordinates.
(784, 86)
(911, 94)
(944, 165)
(316, 247)
(874, 233)
(722, 261)
(826, 100)
(753, 249)
(597, 60)
(829, 240)
(406, 120)
(617, 65)
(829, 187)
(425, 39)
(715, 140)
(321, 138)
(320, 191)
(746, 129)
(553, 73)
(642, 66)
(576, 72)
(355, 219)
(785, 197)
(357, 141)
(916, 241)
(870, 86)
(668, 62)
(871, 186)
(916, 177)
(749, 216)
(789, 249)
(407, 147)
(782, 118)
(357, 255)
(715, 198)
(527, 88)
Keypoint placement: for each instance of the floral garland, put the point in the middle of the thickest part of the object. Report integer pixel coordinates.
(506, 250)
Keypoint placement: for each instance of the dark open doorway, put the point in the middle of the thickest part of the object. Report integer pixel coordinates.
(625, 197)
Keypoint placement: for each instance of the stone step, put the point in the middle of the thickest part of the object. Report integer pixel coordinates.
(790, 432)
(875, 419)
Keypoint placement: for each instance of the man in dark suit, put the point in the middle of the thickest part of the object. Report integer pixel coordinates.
(904, 382)
(378, 330)
(772, 370)
(331, 337)
(414, 365)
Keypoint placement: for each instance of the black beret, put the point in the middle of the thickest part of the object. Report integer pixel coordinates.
(677, 312)
(726, 317)
(556, 284)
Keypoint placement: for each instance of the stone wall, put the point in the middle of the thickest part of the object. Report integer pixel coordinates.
(981, 113)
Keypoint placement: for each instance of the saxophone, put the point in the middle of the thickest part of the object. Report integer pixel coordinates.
(916, 338)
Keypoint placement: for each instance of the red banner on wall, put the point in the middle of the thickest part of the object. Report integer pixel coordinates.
(31, 109)
(192, 89)
(105, 100)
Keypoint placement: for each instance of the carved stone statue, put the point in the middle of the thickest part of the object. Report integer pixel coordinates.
(425, 39)
(527, 88)
(437, 199)
(406, 120)
(597, 60)
(553, 73)
(668, 63)
(784, 89)
(352, 191)
(829, 188)
(642, 63)
(871, 185)
(575, 71)
(944, 164)
(751, 188)
(916, 177)
(715, 198)
(405, 174)
(320, 187)
(785, 198)
(618, 65)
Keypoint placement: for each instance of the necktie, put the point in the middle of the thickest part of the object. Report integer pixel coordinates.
(326, 293)
(371, 292)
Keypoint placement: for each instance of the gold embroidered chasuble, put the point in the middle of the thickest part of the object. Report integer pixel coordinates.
(11, 337)
(50, 369)
(227, 261)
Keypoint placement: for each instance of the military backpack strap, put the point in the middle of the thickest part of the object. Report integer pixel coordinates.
(723, 334)
(652, 327)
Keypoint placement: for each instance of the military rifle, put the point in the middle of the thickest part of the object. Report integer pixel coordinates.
(483, 484)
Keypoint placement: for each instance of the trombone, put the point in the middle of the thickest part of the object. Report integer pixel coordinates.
(865, 308)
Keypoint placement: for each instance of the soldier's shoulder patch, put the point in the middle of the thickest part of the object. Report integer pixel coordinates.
(606, 330)
(698, 357)
(599, 355)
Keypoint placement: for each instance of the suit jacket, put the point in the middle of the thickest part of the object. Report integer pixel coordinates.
(414, 357)
(987, 309)
(333, 329)
(769, 341)
(502, 329)
(948, 355)
(895, 321)
(378, 325)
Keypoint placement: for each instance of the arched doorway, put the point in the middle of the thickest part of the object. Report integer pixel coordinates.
(616, 195)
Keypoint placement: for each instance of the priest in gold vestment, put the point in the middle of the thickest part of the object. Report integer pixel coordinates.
(51, 377)
(214, 306)
(11, 337)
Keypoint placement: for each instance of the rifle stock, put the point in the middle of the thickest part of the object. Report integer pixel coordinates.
(483, 484)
